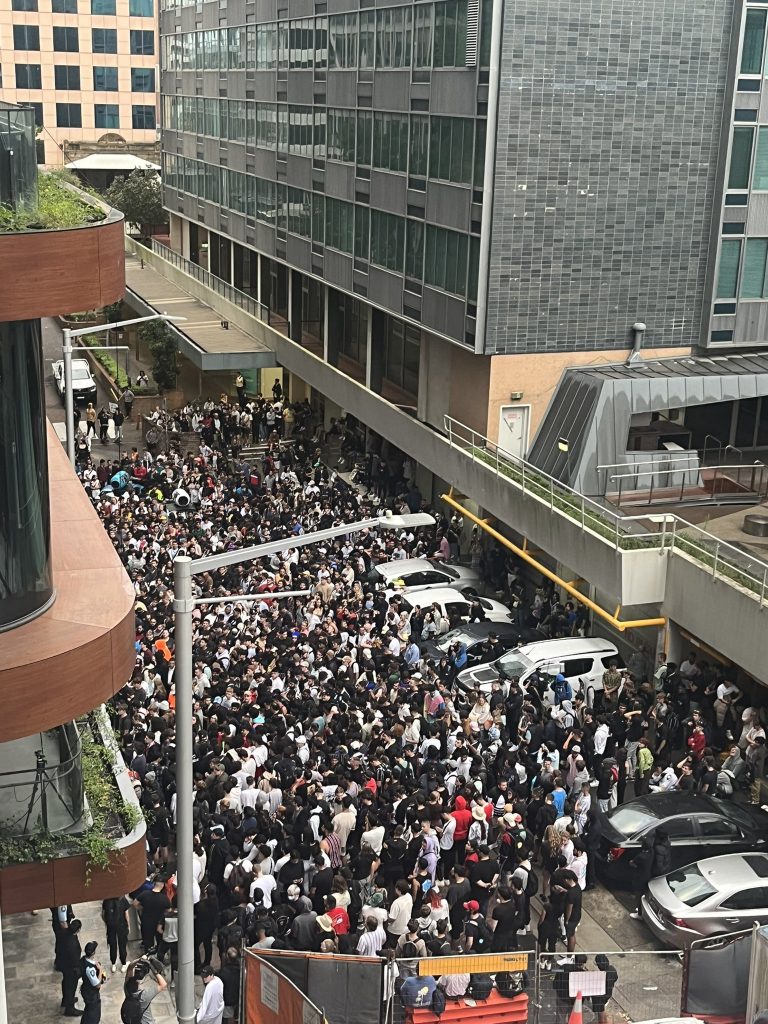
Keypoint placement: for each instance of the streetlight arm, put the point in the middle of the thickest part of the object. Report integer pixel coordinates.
(80, 331)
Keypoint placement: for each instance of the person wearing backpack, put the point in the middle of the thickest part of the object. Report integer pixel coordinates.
(478, 937)
(143, 982)
(480, 987)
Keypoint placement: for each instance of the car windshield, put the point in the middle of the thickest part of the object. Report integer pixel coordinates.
(514, 665)
(455, 636)
(690, 886)
(447, 569)
(79, 373)
(632, 818)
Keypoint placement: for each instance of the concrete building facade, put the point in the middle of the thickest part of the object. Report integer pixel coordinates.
(89, 70)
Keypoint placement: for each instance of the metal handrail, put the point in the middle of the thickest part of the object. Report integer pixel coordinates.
(697, 470)
(717, 441)
(227, 291)
(724, 560)
(732, 448)
(651, 462)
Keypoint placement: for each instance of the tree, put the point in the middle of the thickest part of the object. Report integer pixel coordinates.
(139, 197)
(161, 343)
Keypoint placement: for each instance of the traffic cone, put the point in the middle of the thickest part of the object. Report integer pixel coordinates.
(577, 1016)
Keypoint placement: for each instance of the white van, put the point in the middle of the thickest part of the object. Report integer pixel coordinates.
(582, 660)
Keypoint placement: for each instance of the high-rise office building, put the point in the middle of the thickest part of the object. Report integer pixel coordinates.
(89, 70)
(452, 201)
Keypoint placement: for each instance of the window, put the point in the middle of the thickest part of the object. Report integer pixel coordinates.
(366, 39)
(103, 7)
(753, 285)
(401, 367)
(266, 125)
(141, 8)
(342, 41)
(450, 34)
(68, 115)
(754, 38)
(719, 828)
(40, 151)
(211, 50)
(450, 150)
(730, 253)
(423, 30)
(300, 130)
(105, 79)
(319, 134)
(143, 117)
(28, 76)
(104, 40)
(364, 138)
(747, 899)
(741, 156)
(24, 5)
(235, 120)
(143, 42)
(760, 171)
(486, 27)
(390, 141)
(321, 43)
(64, 6)
(301, 44)
(340, 135)
(65, 40)
(362, 232)
(106, 115)
(339, 220)
(419, 145)
(38, 108)
(27, 37)
(299, 212)
(236, 49)
(445, 264)
(66, 76)
(574, 667)
(142, 79)
(265, 57)
(414, 250)
(393, 37)
(387, 240)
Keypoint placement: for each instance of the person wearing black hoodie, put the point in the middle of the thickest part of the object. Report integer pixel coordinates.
(642, 864)
(592, 837)
(662, 854)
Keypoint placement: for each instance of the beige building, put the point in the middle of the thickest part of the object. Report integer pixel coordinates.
(89, 68)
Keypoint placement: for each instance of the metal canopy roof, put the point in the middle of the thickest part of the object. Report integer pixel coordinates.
(687, 366)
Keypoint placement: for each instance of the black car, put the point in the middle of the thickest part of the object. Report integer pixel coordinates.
(697, 826)
(475, 636)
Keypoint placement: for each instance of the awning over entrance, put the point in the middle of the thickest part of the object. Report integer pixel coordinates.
(112, 162)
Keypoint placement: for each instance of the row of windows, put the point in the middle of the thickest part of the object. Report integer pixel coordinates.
(67, 40)
(105, 115)
(67, 77)
(424, 36)
(749, 161)
(136, 8)
(441, 258)
(747, 277)
(444, 148)
(753, 44)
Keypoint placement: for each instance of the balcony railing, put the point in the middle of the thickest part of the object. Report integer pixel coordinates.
(227, 291)
(718, 558)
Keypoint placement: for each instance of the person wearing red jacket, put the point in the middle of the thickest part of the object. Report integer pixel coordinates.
(697, 742)
(463, 817)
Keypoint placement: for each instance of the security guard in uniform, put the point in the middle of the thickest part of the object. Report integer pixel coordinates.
(92, 977)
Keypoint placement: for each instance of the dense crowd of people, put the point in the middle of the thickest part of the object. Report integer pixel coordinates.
(349, 795)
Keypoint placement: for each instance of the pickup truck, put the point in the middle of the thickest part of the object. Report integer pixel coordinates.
(83, 384)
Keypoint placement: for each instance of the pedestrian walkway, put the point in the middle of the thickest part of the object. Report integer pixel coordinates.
(33, 987)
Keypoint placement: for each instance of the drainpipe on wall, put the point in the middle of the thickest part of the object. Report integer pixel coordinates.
(494, 79)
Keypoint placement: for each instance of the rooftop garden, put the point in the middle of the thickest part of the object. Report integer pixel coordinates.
(55, 206)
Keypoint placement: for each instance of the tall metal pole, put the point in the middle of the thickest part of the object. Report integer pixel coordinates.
(183, 605)
(3, 1004)
(69, 401)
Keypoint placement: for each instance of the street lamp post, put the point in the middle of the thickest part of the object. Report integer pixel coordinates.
(184, 568)
(66, 351)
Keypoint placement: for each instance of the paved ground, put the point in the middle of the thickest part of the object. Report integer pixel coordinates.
(33, 987)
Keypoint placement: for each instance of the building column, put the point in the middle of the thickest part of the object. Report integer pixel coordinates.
(333, 327)
(294, 306)
(376, 350)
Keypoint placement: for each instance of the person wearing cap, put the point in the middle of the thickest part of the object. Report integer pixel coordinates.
(211, 1009)
(92, 977)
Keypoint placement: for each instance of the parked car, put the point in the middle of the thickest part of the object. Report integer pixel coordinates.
(708, 897)
(475, 636)
(83, 384)
(582, 660)
(426, 573)
(696, 825)
(452, 603)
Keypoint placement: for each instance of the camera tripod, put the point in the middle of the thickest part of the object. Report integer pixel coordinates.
(42, 783)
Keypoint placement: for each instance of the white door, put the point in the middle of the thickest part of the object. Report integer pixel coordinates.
(513, 429)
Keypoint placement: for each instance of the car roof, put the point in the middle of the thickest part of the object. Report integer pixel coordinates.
(566, 646)
(482, 629)
(733, 870)
(437, 594)
(400, 565)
